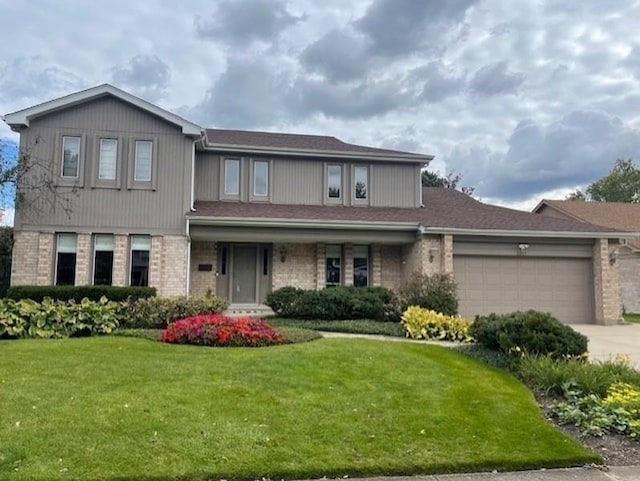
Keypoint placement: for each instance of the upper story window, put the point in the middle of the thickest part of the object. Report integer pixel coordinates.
(334, 181)
(361, 182)
(108, 159)
(260, 178)
(232, 176)
(142, 161)
(70, 156)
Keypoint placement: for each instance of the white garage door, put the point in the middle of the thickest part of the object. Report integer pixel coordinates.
(504, 284)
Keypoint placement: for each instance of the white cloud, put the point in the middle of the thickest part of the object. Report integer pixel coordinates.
(7, 217)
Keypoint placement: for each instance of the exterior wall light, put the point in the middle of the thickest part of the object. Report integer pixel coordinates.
(523, 248)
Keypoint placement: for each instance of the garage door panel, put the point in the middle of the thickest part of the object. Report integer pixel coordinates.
(561, 286)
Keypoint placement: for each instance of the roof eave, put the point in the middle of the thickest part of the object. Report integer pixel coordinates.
(22, 118)
(530, 233)
(302, 223)
(284, 151)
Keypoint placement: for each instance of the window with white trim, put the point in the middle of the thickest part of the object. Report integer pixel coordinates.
(67, 247)
(140, 249)
(333, 256)
(360, 266)
(260, 178)
(70, 156)
(232, 176)
(361, 182)
(334, 181)
(143, 160)
(107, 160)
(104, 246)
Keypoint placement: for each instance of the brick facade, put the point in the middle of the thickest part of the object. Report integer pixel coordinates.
(630, 274)
(606, 283)
(387, 264)
(202, 281)
(295, 265)
(121, 260)
(84, 263)
(24, 262)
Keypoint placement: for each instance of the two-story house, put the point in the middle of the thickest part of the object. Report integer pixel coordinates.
(140, 196)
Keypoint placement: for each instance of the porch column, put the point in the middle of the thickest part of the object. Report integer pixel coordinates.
(83, 260)
(606, 283)
(120, 258)
(321, 266)
(347, 260)
(376, 265)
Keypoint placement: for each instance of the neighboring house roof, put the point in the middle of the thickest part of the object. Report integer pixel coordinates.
(623, 216)
(445, 210)
(21, 118)
(296, 144)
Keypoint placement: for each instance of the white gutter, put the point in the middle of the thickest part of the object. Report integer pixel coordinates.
(193, 171)
(188, 283)
(303, 223)
(528, 233)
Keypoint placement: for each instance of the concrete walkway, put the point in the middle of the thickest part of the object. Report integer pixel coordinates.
(619, 473)
(607, 342)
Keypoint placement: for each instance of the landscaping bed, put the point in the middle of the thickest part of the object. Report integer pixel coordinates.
(124, 408)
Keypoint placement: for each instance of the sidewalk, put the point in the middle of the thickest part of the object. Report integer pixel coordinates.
(613, 473)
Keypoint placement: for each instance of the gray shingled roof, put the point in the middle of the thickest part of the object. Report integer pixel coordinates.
(292, 142)
(443, 208)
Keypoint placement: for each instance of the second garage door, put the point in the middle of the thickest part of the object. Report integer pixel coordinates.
(562, 286)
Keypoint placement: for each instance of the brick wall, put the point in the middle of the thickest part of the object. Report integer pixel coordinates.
(174, 273)
(84, 261)
(630, 277)
(201, 281)
(24, 263)
(606, 282)
(389, 272)
(298, 268)
(121, 260)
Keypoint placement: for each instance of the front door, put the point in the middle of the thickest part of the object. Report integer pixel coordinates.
(244, 279)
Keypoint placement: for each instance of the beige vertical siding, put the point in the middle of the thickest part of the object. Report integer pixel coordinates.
(393, 185)
(207, 179)
(118, 208)
(298, 182)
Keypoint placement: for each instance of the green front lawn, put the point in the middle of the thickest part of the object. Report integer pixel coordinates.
(632, 317)
(126, 408)
(358, 326)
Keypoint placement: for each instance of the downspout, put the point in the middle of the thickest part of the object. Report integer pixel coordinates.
(188, 287)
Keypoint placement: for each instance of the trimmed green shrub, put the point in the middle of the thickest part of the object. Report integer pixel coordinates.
(158, 312)
(333, 303)
(437, 292)
(530, 332)
(425, 324)
(77, 293)
(56, 319)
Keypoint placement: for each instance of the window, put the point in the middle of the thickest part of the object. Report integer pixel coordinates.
(361, 182)
(232, 176)
(66, 259)
(142, 163)
(334, 181)
(108, 159)
(360, 266)
(334, 265)
(140, 248)
(103, 260)
(260, 178)
(70, 156)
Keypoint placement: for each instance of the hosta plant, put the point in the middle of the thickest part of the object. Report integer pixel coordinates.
(420, 323)
(219, 330)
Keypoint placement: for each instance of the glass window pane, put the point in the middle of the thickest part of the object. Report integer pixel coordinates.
(102, 273)
(360, 266)
(70, 156)
(333, 265)
(142, 171)
(232, 176)
(107, 163)
(66, 269)
(361, 182)
(260, 178)
(141, 243)
(334, 181)
(140, 268)
(67, 243)
(104, 242)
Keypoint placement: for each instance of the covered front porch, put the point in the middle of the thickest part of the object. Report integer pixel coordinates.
(243, 264)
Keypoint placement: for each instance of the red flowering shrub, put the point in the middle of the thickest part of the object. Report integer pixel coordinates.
(219, 330)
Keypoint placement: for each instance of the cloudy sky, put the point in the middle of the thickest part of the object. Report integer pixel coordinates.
(524, 98)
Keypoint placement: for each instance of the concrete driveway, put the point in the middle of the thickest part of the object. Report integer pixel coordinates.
(606, 342)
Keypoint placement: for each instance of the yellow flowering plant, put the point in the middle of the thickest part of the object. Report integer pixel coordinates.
(420, 323)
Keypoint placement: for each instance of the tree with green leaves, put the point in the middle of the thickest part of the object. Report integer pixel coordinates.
(449, 181)
(621, 184)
